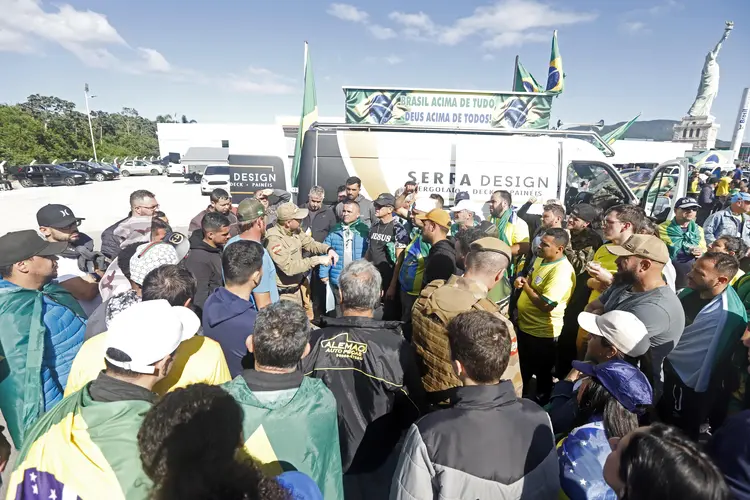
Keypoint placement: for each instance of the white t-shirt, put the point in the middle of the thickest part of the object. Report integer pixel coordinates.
(67, 268)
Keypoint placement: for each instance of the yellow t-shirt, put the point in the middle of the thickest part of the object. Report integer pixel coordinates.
(554, 282)
(197, 360)
(722, 188)
(607, 261)
(516, 232)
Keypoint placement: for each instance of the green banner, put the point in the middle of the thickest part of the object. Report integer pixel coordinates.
(445, 108)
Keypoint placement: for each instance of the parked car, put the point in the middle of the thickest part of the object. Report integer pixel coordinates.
(215, 176)
(174, 170)
(139, 167)
(48, 175)
(95, 171)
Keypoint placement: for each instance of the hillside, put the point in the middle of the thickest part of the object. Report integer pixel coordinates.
(655, 130)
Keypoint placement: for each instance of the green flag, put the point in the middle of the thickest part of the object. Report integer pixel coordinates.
(611, 136)
(309, 114)
(524, 81)
(555, 77)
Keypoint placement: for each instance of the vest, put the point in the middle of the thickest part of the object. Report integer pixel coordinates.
(436, 306)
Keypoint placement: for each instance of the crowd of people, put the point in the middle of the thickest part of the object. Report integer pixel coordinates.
(388, 348)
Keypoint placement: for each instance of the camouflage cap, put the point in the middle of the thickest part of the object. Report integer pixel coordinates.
(492, 244)
(250, 210)
(289, 211)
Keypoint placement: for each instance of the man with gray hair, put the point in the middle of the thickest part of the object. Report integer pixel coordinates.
(372, 371)
(321, 217)
(319, 221)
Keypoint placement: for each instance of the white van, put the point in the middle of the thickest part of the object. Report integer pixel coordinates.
(540, 163)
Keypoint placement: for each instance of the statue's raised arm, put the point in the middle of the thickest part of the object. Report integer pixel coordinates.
(729, 27)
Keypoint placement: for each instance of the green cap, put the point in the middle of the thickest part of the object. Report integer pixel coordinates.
(250, 210)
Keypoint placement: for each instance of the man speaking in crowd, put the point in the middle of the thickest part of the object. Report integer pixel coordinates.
(285, 242)
(143, 206)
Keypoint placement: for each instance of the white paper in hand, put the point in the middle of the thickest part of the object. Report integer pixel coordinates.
(330, 301)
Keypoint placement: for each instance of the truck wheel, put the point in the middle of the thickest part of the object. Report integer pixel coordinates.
(196, 178)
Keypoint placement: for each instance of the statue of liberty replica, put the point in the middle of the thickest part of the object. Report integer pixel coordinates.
(698, 125)
(709, 85)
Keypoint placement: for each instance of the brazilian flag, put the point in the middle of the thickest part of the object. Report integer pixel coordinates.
(309, 114)
(82, 449)
(525, 82)
(299, 434)
(555, 76)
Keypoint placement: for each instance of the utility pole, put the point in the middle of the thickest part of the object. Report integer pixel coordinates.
(88, 114)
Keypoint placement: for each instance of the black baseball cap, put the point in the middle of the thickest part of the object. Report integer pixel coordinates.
(461, 195)
(385, 200)
(21, 245)
(56, 216)
(687, 202)
(584, 211)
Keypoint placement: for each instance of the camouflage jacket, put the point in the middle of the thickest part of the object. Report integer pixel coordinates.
(582, 247)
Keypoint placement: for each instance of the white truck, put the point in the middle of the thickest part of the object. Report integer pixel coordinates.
(541, 163)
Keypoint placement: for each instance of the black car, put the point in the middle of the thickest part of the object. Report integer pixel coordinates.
(94, 170)
(48, 175)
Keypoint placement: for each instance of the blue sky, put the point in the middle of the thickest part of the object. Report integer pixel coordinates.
(241, 60)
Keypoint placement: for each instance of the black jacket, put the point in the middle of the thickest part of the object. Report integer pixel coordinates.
(204, 261)
(488, 444)
(320, 223)
(372, 371)
(110, 243)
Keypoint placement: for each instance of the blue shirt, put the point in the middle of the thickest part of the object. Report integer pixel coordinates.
(268, 281)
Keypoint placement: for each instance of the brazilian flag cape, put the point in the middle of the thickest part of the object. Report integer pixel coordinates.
(82, 449)
(300, 434)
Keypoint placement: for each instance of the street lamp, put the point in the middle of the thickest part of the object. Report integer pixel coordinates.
(88, 114)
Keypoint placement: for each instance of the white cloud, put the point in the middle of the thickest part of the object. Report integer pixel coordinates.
(154, 60)
(13, 41)
(347, 12)
(91, 38)
(488, 57)
(502, 24)
(513, 38)
(258, 80)
(381, 32)
(350, 13)
(634, 27)
(393, 60)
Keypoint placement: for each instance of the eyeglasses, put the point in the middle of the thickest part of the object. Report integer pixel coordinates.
(606, 222)
(152, 207)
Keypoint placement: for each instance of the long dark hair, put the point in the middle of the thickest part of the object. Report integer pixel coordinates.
(188, 443)
(660, 463)
(596, 400)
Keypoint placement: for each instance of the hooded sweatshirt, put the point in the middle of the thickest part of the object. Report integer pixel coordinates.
(229, 319)
(204, 261)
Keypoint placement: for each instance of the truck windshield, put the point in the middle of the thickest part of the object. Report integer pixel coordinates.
(592, 183)
(216, 170)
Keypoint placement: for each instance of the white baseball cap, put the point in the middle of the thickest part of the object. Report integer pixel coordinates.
(469, 206)
(622, 329)
(148, 331)
(425, 204)
(150, 256)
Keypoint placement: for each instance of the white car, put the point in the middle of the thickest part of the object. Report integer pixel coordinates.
(215, 176)
(174, 170)
(139, 167)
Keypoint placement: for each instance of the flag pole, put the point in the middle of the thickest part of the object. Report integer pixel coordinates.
(515, 74)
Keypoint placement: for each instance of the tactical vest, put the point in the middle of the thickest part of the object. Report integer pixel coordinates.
(436, 306)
